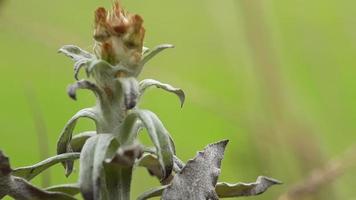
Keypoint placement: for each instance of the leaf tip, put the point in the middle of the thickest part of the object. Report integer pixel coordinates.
(181, 97)
(269, 181)
(170, 46)
(5, 168)
(71, 91)
(76, 75)
(222, 143)
(69, 170)
(62, 49)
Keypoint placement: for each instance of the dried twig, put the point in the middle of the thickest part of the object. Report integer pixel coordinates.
(322, 177)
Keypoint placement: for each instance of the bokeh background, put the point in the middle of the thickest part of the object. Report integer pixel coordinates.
(275, 77)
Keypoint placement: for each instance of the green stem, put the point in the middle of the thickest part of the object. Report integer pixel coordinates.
(119, 182)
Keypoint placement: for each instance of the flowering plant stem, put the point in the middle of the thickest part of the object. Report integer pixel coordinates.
(109, 154)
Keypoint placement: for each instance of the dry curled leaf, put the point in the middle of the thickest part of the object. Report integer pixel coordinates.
(199, 176)
(225, 190)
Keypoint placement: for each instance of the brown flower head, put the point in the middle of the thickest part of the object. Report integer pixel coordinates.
(118, 36)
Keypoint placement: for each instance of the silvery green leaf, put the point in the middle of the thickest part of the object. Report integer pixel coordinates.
(147, 83)
(101, 70)
(75, 52)
(150, 153)
(130, 91)
(70, 189)
(80, 57)
(153, 150)
(225, 190)
(154, 192)
(78, 140)
(86, 168)
(151, 163)
(92, 175)
(30, 172)
(199, 176)
(63, 143)
(160, 138)
(19, 188)
(79, 64)
(129, 129)
(84, 84)
(150, 54)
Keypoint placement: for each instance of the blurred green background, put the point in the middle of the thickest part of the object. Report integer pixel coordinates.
(275, 77)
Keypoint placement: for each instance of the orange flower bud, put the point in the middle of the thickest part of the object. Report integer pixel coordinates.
(118, 36)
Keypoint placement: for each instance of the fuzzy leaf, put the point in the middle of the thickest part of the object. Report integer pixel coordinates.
(154, 192)
(70, 189)
(151, 154)
(79, 56)
(225, 190)
(150, 54)
(129, 129)
(63, 143)
(160, 138)
(30, 172)
(130, 91)
(92, 175)
(151, 163)
(199, 176)
(79, 140)
(147, 83)
(84, 84)
(153, 166)
(101, 70)
(75, 52)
